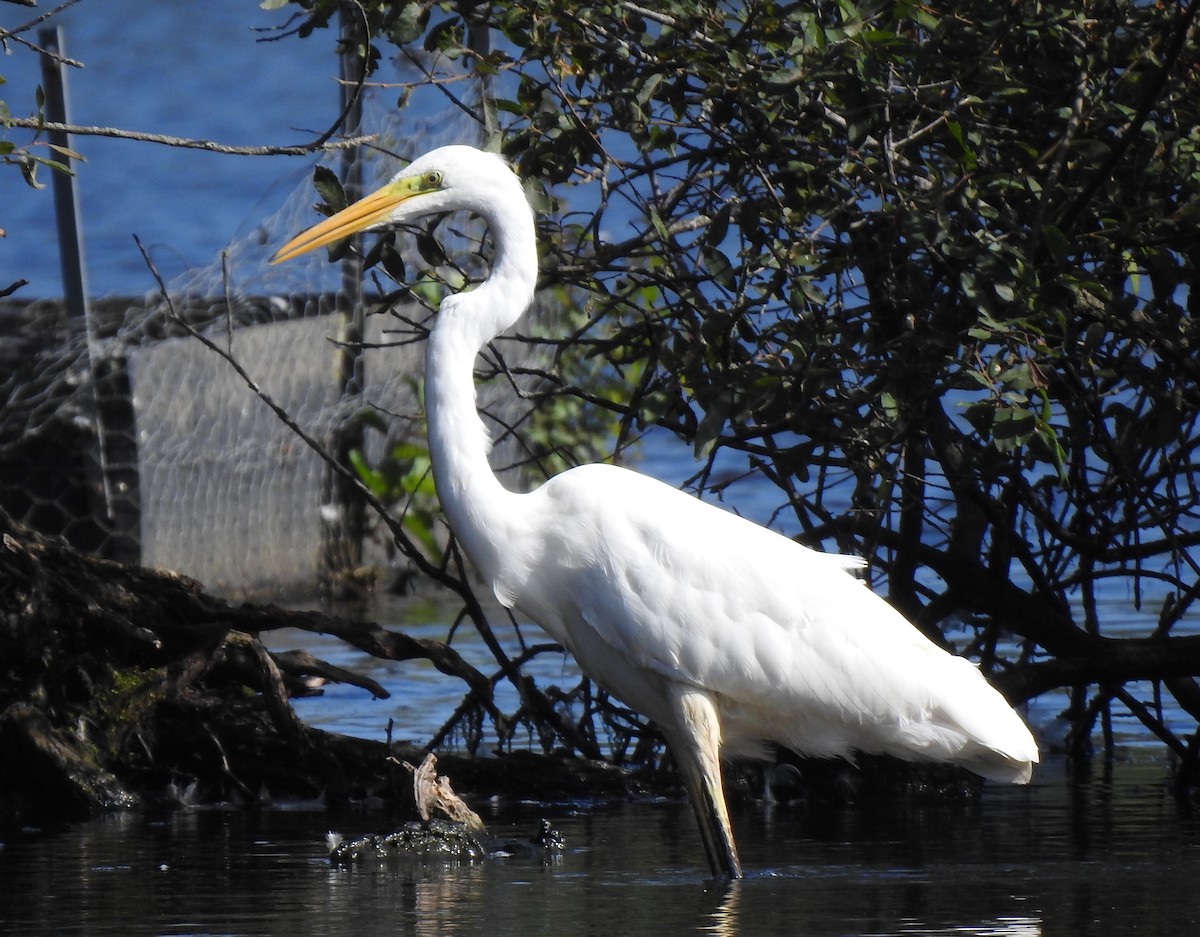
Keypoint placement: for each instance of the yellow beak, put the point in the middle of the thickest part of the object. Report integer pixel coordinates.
(367, 211)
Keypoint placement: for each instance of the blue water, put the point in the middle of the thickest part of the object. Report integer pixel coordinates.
(188, 68)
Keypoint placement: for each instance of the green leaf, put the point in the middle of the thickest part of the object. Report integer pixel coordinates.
(1012, 427)
(1056, 242)
(966, 153)
(719, 267)
(406, 28)
(420, 530)
(1018, 377)
(981, 416)
(373, 479)
(1046, 447)
(659, 226)
(787, 77)
(329, 187)
(712, 424)
(648, 89)
(428, 247)
(369, 416)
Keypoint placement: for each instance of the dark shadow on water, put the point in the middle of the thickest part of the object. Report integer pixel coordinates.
(1096, 855)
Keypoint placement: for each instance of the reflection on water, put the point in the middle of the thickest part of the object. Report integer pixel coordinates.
(1101, 856)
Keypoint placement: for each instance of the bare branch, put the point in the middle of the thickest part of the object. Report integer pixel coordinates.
(320, 145)
(14, 34)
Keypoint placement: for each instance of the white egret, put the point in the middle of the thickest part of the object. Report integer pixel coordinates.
(729, 636)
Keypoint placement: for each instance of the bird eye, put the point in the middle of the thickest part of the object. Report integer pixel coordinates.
(433, 178)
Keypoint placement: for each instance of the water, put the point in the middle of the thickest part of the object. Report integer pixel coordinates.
(1109, 855)
(193, 69)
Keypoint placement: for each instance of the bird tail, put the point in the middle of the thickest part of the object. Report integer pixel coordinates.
(971, 724)
(999, 746)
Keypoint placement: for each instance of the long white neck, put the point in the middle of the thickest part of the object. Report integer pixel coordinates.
(479, 508)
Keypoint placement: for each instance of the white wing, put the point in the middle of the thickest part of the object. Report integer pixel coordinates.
(645, 584)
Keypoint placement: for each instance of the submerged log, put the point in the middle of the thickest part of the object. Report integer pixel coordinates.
(441, 839)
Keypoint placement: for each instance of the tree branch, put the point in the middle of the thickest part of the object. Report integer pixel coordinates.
(1100, 660)
(321, 145)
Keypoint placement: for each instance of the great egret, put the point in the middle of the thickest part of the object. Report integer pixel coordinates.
(727, 635)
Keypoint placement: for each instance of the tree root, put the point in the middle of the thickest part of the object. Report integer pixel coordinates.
(122, 686)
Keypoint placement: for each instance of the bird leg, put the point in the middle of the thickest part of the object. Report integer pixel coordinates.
(695, 743)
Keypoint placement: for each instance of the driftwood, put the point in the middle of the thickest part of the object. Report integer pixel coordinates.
(122, 686)
(434, 796)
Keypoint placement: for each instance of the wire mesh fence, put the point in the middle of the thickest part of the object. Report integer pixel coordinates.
(135, 436)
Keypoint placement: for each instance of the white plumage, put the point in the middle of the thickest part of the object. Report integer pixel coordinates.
(728, 635)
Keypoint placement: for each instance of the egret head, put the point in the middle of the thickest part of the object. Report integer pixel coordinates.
(445, 179)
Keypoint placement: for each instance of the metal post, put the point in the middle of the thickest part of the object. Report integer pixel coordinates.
(111, 467)
(66, 197)
(343, 541)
